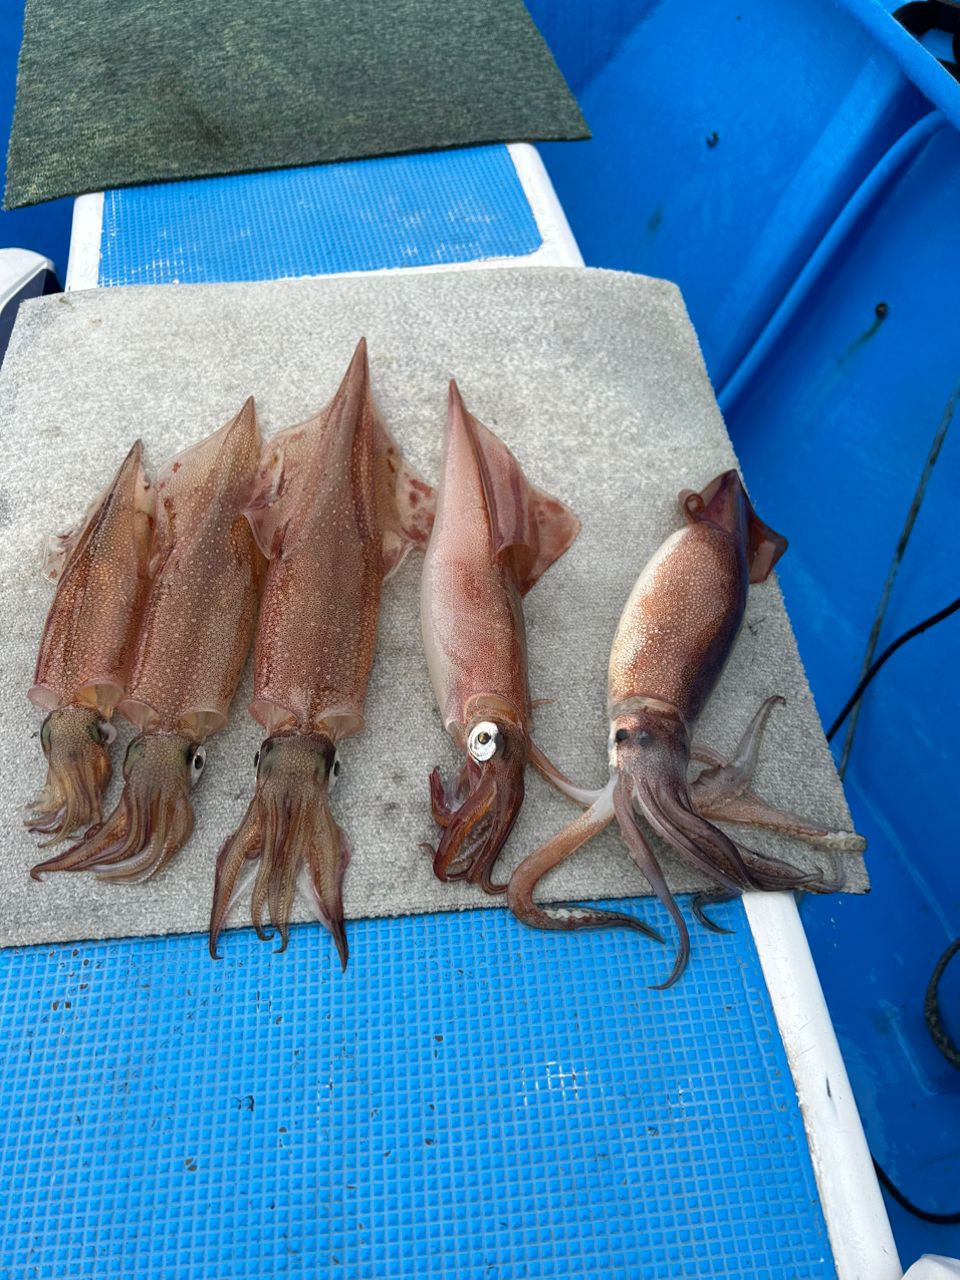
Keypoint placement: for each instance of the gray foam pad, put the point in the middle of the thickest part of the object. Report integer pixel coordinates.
(593, 378)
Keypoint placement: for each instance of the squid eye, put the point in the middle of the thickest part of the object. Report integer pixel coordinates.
(103, 732)
(256, 760)
(334, 772)
(483, 740)
(45, 730)
(197, 761)
(621, 735)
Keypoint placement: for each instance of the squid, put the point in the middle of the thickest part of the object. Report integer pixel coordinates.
(205, 577)
(673, 638)
(100, 568)
(335, 511)
(494, 537)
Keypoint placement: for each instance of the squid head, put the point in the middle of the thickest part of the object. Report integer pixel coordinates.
(478, 812)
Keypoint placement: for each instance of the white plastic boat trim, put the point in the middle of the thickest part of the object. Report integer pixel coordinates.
(83, 264)
(17, 268)
(857, 1223)
(856, 1218)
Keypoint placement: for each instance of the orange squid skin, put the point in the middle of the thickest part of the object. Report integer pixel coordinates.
(198, 621)
(495, 535)
(335, 510)
(83, 666)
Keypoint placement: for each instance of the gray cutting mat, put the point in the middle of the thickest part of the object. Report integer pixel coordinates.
(596, 382)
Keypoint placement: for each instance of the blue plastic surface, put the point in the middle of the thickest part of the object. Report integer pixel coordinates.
(471, 1100)
(727, 134)
(395, 211)
(857, 400)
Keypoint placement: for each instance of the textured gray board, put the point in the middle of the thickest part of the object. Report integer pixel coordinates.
(593, 378)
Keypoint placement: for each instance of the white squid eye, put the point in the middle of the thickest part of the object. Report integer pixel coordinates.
(483, 740)
(334, 773)
(197, 762)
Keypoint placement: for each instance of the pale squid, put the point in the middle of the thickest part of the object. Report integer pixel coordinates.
(335, 510)
(495, 535)
(198, 622)
(674, 635)
(100, 568)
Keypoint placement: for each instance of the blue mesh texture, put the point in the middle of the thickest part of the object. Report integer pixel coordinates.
(472, 1100)
(397, 211)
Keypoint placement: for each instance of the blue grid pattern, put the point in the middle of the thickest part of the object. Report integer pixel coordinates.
(471, 1101)
(396, 211)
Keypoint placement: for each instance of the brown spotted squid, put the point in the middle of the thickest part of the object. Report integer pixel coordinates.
(674, 635)
(100, 568)
(335, 511)
(190, 652)
(494, 537)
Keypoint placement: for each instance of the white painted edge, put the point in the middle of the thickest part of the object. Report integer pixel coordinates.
(17, 268)
(857, 1223)
(83, 263)
(559, 248)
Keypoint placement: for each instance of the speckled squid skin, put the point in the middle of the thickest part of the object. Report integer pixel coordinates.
(101, 574)
(495, 535)
(207, 571)
(476, 572)
(336, 510)
(685, 610)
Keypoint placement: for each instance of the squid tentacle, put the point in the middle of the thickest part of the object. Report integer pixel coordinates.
(290, 837)
(152, 821)
(646, 860)
(75, 741)
(568, 917)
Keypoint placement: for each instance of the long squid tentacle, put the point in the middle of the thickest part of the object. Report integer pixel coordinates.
(646, 860)
(584, 796)
(723, 792)
(531, 871)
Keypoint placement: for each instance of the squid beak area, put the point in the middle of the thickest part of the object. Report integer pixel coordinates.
(476, 831)
(288, 840)
(152, 821)
(75, 741)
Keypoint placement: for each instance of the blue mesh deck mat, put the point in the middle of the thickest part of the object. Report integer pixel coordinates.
(472, 1100)
(398, 211)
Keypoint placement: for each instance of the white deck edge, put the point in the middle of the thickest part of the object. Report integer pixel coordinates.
(83, 264)
(857, 1222)
(856, 1218)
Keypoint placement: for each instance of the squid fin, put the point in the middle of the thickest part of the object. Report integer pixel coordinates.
(530, 528)
(129, 484)
(724, 502)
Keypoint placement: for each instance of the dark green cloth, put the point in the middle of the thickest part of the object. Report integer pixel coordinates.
(115, 92)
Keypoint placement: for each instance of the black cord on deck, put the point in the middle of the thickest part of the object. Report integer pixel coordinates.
(931, 1005)
(942, 1219)
(888, 653)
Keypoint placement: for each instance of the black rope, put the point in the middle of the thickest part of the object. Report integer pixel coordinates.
(888, 653)
(931, 1005)
(931, 1009)
(942, 1219)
